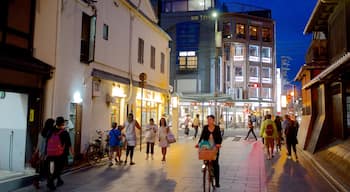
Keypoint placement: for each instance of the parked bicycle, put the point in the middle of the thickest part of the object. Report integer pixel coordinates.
(208, 155)
(96, 150)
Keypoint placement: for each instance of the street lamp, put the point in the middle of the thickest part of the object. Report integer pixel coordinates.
(142, 84)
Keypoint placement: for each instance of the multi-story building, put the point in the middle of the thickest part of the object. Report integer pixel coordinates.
(325, 126)
(206, 77)
(192, 29)
(95, 52)
(248, 65)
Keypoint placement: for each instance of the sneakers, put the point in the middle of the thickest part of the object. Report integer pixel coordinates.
(132, 163)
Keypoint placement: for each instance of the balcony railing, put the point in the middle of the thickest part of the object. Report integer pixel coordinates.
(318, 51)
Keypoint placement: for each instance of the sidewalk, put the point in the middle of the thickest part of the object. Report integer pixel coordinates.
(242, 164)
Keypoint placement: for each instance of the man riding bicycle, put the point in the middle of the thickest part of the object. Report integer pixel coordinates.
(212, 134)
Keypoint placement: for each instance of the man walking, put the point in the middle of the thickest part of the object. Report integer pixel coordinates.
(195, 125)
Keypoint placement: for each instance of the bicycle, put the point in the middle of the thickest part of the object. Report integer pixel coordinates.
(95, 151)
(207, 168)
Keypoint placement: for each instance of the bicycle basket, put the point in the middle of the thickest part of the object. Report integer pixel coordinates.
(207, 154)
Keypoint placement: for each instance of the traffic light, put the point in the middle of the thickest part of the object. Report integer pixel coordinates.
(254, 85)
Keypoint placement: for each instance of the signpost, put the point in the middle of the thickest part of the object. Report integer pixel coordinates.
(142, 83)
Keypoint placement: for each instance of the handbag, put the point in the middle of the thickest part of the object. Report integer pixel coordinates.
(171, 137)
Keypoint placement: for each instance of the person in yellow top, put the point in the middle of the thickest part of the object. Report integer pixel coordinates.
(269, 132)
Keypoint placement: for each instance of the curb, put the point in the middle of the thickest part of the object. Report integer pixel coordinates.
(337, 186)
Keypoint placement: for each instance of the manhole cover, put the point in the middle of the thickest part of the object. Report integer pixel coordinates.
(236, 139)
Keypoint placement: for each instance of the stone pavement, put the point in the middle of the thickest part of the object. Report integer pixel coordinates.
(242, 164)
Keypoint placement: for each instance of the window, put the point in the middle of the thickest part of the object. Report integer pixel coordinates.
(238, 74)
(153, 57)
(266, 93)
(227, 50)
(266, 54)
(140, 51)
(253, 92)
(254, 53)
(253, 33)
(162, 62)
(105, 31)
(253, 74)
(186, 5)
(228, 73)
(239, 52)
(240, 31)
(226, 31)
(266, 34)
(266, 72)
(266, 75)
(87, 44)
(187, 61)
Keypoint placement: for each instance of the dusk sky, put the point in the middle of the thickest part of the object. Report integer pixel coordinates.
(291, 18)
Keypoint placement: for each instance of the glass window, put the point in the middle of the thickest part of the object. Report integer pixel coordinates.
(188, 61)
(266, 52)
(253, 71)
(227, 50)
(196, 5)
(266, 72)
(87, 43)
(253, 92)
(166, 7)
(266, 34)
(226, 29)
(239, 50)
(254, 50)
(179, 6)
(228, 73)
(240, 31)
(153, 57)
(140, 51)
(238, 71)
(162, 62)
(266, 93)
(208, 4)
(105, 31)
(253, 33)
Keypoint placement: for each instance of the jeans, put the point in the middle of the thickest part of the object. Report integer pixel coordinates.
(150, 147)
(129, 149)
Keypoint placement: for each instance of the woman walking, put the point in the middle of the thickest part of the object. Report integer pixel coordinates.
(278, 123)
(130, 135)
(150, 136)
(251, 128)
(41, 168)
(163, 132)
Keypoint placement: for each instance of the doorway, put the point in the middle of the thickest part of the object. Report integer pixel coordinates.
(13, 129)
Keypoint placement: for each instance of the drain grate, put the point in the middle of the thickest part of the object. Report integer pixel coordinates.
(236, 139)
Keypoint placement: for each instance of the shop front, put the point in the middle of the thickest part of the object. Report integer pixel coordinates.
(152, 104)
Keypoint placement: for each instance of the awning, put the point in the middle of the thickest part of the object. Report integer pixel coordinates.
(339, 63)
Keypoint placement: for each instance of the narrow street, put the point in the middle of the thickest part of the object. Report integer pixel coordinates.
(243, 168)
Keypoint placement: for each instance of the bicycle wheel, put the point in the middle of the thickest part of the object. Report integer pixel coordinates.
(211, 177)
(204, 170)
(92, 155)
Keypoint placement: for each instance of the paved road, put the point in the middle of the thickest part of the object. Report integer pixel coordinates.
(243, 168)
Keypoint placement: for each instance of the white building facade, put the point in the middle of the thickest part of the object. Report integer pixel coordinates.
(98, 51)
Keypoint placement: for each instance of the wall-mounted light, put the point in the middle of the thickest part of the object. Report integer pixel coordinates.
(77, 97)
(117, 91)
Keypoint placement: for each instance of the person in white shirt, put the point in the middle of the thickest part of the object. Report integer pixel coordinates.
(130, 136)
(195, 125)
(150, 136)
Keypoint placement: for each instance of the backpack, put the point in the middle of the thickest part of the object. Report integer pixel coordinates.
(269, 130)
(54, 145)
